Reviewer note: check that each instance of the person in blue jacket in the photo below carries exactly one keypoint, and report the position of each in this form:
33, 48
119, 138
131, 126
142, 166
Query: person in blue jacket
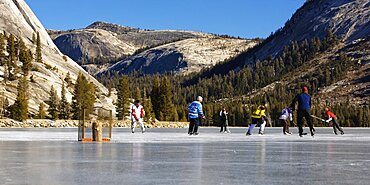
195, 113
304, 110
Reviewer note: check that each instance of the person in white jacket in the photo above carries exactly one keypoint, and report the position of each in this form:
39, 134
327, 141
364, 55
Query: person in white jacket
137, 116
286, 114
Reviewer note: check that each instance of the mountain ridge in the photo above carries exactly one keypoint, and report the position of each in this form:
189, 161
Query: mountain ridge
18, 19
117, 43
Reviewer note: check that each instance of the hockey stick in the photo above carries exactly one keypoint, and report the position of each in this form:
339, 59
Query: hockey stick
318, 118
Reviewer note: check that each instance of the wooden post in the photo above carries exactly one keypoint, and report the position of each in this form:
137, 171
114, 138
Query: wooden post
97, 131
110, 124
83, 123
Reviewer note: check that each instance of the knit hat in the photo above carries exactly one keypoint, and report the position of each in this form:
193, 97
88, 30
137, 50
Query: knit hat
305, 89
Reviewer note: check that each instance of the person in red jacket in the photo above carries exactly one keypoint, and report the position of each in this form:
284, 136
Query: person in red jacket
330, 116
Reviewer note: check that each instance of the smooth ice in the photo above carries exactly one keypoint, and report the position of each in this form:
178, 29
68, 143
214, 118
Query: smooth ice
170, 156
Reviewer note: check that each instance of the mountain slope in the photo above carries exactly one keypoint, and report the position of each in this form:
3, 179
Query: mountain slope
111, 41
185, 56
101, 45
18, 19
348, 20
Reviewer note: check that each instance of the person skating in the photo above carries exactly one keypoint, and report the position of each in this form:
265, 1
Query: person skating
137, 116
195, 113
285, 118
330, 116
258, 117
304, 110
224, 120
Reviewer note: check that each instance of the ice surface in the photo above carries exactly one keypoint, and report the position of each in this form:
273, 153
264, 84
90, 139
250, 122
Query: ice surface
170, 156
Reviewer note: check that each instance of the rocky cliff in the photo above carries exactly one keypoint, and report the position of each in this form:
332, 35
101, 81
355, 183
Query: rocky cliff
99, 46
182, 57
18, 19
348, 19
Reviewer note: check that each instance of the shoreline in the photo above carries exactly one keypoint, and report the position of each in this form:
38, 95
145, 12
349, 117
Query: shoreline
45, 123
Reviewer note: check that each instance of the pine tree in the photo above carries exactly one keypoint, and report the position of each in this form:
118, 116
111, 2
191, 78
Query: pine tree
2, 50
154, 95
166, 101
137, 94
6, 107
12, 58
25, 56
68, 80
109, 87
20, 108
149, 114
123, 93
84, 97
38, 49
34, 38
53, 104
65, 110
327, 76
42, 113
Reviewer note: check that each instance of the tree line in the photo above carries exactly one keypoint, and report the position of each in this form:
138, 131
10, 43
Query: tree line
16, 59
227, 90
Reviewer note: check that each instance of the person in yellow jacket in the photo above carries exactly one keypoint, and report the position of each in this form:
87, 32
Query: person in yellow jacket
258, 116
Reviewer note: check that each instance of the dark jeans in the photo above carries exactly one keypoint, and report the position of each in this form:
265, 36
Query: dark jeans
255, 121
223, 125
285, 124
307, 115
194, 124
336, 126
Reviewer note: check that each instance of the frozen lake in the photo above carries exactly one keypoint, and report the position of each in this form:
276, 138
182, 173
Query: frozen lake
170, 156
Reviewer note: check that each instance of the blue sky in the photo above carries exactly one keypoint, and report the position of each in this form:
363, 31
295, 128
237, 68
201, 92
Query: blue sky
244, 18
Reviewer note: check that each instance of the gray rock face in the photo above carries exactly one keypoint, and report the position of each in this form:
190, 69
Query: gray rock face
178, 51
182, 57
348, 19
110, 41
18, 19
151, 62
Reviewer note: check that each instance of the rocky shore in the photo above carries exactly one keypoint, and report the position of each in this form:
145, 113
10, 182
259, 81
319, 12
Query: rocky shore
45, 123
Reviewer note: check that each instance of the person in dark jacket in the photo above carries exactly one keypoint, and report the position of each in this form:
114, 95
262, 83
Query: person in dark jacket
224, 120
304, 110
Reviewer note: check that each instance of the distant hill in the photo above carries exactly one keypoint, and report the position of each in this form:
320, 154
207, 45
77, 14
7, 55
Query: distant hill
101, 45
